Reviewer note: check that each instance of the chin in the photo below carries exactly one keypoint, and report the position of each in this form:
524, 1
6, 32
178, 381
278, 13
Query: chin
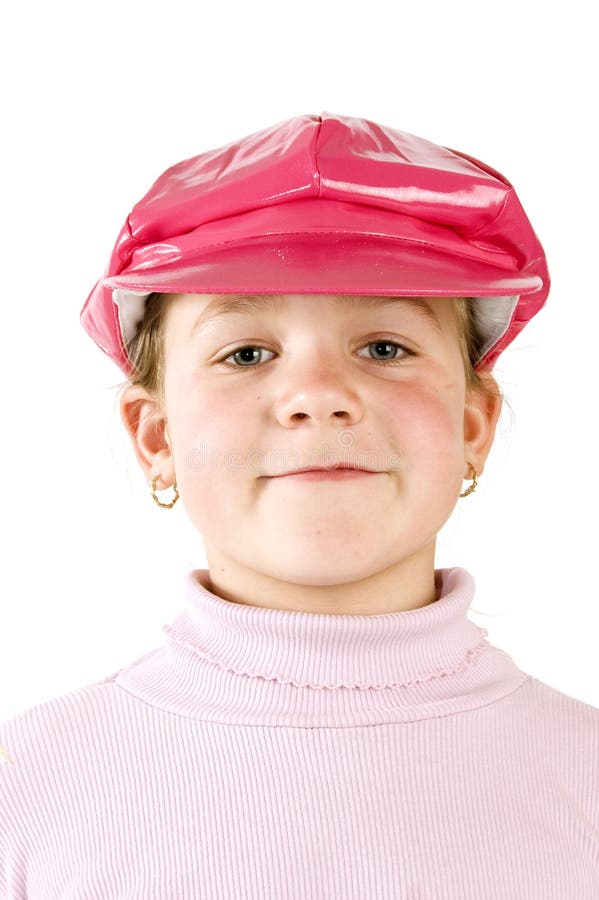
320, 570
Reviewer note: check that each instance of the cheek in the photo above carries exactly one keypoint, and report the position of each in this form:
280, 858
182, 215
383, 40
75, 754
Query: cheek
211, 437
426, 425
212, 441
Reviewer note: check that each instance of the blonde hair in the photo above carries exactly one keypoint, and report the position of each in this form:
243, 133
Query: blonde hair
147, 349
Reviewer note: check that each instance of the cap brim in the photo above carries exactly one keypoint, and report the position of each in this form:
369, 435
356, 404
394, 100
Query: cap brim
332, 263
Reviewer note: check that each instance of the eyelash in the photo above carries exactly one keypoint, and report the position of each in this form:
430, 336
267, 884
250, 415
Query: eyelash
380, 362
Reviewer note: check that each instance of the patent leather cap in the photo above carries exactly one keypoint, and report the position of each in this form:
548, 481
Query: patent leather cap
326, 204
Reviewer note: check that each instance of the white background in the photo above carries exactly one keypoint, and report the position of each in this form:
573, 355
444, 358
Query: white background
97, 101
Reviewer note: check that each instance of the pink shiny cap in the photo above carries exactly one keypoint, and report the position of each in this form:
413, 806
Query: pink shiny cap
326, 204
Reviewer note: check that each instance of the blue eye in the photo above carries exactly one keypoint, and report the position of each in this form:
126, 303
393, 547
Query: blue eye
244, 354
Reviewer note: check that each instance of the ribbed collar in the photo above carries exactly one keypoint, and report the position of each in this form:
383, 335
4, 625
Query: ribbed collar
230, 662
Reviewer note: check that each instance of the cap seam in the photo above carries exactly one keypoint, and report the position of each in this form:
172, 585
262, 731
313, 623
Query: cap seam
130, 230
495, 217
318, 130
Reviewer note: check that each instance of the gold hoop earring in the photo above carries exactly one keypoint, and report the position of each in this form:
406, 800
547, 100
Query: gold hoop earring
473, 485
165, 505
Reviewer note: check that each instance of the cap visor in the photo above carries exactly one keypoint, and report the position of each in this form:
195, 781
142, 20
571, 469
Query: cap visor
331, 263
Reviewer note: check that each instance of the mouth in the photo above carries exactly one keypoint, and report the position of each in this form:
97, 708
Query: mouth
320, 473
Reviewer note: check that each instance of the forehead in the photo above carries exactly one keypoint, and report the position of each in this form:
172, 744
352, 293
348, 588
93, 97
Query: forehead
196, 311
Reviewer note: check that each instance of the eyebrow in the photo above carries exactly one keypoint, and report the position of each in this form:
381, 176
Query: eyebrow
230, 304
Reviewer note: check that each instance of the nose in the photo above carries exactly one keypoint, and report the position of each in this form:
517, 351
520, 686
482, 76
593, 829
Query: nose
321, 393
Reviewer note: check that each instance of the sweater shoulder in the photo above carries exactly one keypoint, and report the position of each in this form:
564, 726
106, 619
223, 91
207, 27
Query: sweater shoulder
563, 720
63, 720
52, 743
565, 732
564, 709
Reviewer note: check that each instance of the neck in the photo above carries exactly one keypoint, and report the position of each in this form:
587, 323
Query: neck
407, 584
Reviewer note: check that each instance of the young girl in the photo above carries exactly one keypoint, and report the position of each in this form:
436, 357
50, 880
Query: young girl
308, 319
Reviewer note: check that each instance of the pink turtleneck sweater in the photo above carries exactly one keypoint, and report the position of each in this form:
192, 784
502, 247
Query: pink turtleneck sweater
261, 754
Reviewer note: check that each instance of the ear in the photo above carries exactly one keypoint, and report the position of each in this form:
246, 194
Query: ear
481, 414
145, 422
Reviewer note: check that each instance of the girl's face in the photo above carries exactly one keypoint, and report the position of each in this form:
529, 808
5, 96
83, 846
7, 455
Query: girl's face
310, 380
